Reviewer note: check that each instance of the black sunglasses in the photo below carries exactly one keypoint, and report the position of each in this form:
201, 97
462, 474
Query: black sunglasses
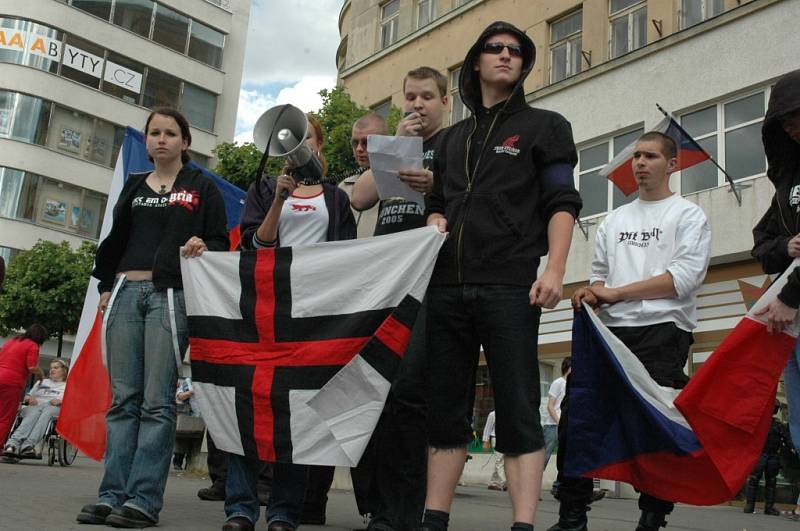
496, 48
355, 142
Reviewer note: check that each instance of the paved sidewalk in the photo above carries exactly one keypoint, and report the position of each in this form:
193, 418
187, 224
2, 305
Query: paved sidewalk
35, 496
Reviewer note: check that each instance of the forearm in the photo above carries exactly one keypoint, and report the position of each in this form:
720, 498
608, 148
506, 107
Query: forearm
365, 193
559, 238
268, 230
657, 287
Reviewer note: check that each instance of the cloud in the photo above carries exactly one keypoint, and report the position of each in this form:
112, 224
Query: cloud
254, 101
290, 39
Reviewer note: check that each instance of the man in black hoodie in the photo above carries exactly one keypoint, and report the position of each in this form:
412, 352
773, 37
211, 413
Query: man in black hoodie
504, 189
777, 235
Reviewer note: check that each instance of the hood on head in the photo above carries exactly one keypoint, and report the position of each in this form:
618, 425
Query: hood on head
469, 84
781, 150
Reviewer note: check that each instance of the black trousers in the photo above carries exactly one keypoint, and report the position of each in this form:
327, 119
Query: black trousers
217, 462
663, 349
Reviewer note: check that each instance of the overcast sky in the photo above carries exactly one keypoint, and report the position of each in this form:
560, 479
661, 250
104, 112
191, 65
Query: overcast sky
291, 55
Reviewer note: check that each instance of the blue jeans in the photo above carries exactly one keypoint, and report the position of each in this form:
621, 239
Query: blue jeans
550, 441
791, 380
141, 421
288, 491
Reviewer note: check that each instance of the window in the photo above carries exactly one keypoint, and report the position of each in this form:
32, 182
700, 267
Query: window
201, 160
458, 111
565, 46
206, 44
161, 89
199, 106
123, 78
628, 26
82, 61
730, 131
390, 20
23, 117
135, 15
426, 12
50, 203
382, 109
98, 8
696, 11
8, 253
596, 190
30, 44
170, 28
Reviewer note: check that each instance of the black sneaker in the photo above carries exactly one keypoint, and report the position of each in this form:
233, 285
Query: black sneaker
130, 518
94, 514
211, 493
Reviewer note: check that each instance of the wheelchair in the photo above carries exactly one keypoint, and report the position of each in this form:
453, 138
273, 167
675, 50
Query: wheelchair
55, 447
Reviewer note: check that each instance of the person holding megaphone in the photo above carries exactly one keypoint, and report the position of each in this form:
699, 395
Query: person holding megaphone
290, 210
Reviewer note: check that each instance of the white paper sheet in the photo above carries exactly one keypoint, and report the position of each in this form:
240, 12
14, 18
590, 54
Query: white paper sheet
387, 156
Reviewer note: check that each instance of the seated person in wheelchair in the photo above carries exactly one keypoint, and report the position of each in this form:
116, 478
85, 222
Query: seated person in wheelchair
42, 403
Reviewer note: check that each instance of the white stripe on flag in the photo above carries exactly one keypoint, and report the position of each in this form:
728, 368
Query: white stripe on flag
770, 295
627, 153
321, 265
218, 405
223, 299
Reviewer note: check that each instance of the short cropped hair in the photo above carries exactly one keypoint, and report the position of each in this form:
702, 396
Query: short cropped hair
566, 365
668, 147
426, 72
372, 118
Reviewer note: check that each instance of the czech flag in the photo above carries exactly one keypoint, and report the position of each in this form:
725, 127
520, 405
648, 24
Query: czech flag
88, 393
620, 169
695, 445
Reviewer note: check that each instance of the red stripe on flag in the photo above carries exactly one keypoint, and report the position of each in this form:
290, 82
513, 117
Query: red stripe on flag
264, 422
235, 236
689, 157
623, 177
395, 335
82, 420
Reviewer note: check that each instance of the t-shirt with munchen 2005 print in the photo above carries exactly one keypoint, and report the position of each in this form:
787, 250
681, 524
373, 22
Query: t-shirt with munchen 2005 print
398, 214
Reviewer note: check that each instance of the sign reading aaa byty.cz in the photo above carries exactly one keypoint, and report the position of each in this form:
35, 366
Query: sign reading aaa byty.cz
73, 57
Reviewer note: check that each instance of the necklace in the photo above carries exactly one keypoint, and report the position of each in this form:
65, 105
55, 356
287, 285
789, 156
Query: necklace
163, 189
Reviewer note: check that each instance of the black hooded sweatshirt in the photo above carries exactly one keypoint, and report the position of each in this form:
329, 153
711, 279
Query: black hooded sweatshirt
500, 175
782, 221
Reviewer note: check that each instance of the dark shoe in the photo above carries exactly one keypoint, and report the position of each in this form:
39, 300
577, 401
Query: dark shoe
771, 511
94, 514
129, 518
496, 487
28, 453
598, 495
238, 523
571, 518
280, 526
379, 526
651, 521
211, 493
10, 451
312, 519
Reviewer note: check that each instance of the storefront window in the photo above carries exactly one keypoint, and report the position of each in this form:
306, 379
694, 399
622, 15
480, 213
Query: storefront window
50, 203
171, 28
206, 44
161, 90
135, 15
199, 106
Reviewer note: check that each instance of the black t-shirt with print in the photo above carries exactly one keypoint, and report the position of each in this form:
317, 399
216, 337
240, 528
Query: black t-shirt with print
399, 214
148, 218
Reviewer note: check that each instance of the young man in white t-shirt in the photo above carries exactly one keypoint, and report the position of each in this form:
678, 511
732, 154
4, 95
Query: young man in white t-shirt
552, 415
649, 262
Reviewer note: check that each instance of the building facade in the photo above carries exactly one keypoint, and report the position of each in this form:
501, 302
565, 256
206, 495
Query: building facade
604, 65
75, 73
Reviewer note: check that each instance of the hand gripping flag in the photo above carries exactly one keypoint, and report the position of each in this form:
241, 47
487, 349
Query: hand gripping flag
293, 349
620, 169
88, 393
695, 445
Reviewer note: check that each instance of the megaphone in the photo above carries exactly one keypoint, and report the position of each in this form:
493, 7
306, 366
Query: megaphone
281, 132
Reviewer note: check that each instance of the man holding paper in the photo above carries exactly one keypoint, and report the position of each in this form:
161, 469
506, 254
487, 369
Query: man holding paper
398, 444
424, 105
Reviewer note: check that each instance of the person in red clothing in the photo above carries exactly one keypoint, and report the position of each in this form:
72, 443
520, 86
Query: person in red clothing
19, 357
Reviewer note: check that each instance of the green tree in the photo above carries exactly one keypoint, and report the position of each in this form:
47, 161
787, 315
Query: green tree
46, 285
337, 115
238, 164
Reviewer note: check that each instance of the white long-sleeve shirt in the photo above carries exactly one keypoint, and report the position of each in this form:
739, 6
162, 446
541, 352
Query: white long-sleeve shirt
488, 430
644, 239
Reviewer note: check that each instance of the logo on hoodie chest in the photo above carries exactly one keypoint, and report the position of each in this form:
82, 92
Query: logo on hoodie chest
509, 146
794, 198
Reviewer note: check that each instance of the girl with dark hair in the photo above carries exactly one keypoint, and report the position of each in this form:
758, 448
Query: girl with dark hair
19, 357
310, 213
161, 215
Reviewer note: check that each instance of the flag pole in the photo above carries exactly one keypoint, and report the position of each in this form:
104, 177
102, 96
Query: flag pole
728, 178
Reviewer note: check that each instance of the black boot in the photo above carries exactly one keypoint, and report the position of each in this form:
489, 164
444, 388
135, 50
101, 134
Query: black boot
750, 495
651, 521
769, 498
571, 518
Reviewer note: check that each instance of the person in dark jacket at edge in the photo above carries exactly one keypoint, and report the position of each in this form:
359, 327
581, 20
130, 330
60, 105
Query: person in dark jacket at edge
504, 190
777, 236
769, 463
